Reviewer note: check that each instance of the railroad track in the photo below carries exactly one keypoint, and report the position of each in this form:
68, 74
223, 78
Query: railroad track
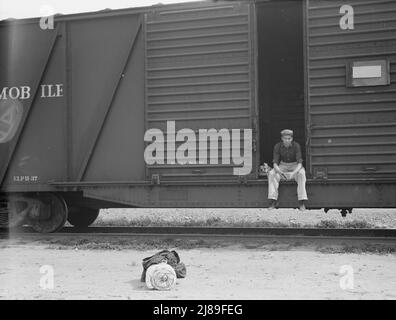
387, 236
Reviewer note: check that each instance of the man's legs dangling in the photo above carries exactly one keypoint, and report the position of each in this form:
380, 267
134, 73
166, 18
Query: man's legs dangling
301, 190
273, 186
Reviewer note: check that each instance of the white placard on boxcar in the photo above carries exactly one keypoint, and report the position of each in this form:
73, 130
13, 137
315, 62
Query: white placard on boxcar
366, 72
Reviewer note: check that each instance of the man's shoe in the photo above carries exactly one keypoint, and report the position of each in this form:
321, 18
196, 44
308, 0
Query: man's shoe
301, 206
272, 204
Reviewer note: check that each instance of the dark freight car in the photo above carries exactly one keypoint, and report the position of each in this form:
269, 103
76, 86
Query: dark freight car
178, 105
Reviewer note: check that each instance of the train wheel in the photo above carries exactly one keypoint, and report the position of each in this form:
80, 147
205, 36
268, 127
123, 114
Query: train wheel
49, 214
13, 211
82, 217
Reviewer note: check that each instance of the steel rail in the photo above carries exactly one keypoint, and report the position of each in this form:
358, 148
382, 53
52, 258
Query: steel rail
212, 231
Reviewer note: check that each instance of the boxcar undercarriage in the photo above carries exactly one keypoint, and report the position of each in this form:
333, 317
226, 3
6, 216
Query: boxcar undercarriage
48, 211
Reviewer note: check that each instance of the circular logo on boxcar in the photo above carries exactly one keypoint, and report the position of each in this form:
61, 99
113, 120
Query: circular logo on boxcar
10, 117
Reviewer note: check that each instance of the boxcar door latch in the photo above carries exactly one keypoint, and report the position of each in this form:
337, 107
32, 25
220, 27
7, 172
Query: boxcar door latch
155, 179
320, 173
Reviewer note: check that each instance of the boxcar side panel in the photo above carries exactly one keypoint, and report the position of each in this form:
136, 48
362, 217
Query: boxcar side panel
107, 90
34, 58
352, 128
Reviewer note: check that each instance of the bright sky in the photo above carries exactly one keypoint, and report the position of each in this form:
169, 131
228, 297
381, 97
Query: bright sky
37, 8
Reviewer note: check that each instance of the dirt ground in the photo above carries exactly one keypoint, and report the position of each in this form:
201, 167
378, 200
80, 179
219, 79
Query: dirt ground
212, 273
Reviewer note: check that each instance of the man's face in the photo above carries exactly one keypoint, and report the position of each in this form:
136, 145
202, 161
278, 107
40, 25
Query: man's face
287, 140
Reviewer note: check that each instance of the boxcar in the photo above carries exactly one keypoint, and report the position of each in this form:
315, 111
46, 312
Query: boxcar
106, 109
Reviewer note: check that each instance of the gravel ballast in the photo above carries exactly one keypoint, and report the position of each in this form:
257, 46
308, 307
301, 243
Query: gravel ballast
359, 218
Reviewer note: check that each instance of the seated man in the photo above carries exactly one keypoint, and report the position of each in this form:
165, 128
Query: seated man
287, 166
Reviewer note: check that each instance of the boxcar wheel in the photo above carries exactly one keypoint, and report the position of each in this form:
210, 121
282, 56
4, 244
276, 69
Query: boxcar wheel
13, 211
50, 215
82, 217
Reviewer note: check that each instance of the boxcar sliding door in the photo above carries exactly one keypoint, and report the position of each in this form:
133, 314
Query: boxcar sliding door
200, 72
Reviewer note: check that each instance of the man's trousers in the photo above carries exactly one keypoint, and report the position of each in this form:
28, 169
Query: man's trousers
274, 178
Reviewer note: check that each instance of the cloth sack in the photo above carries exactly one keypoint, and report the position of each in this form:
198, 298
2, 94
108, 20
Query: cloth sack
160, 276
170, 257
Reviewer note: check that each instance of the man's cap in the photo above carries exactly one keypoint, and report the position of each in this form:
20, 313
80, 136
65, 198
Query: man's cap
287, 132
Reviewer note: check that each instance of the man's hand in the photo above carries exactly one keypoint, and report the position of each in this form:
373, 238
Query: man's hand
279, 171
283, 174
